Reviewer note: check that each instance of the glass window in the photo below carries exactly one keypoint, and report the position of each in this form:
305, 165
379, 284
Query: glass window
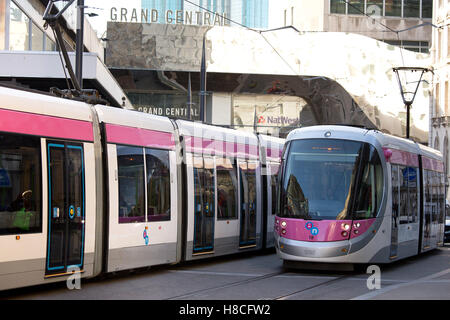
356, 7
413, 196
226, 189
158, 184
374, 7
324, 179
37, 38
130, 162
49, 44
204, 209
19, 29
395, 191
2, 24
370, 186
411, 8
20, 184
393, 8
404, 203
337, 6
435, 195
274, 184
427, 9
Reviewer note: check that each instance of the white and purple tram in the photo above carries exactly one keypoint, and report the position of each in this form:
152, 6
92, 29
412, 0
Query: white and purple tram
96, 189
350, 195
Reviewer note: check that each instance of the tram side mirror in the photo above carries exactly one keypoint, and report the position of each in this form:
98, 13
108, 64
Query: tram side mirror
447, 204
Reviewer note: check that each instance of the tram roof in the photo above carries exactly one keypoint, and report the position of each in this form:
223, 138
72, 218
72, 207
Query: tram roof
386, 140
134, 118
44, 104
205, 131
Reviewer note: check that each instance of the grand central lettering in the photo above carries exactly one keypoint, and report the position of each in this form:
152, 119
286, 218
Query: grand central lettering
170, 16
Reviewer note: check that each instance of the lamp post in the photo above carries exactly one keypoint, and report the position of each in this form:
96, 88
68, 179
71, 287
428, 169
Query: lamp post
407, 94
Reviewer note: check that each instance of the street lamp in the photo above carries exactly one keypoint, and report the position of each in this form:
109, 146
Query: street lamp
407, 91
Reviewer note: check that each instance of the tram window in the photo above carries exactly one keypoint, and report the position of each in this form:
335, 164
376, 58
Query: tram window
370, 187
404, 203
131, 184
251, 180
20, 184
274, 184
412, 192
395, 191
442, 200
427, 193
226, 189
204, 186
435, 196
158, 184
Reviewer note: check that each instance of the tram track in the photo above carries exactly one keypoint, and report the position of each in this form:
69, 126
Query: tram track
285, 296
224, 286
201, 292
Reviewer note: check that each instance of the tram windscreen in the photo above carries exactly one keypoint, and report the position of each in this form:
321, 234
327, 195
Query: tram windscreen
328, 179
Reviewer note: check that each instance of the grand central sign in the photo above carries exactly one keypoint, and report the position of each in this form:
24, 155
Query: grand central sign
169, 16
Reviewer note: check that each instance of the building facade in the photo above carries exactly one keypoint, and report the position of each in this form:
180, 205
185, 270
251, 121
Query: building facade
440, 112
267, 82
352, 16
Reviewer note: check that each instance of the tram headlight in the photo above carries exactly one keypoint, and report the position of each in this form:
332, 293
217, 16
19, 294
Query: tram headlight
283, 231
344, 233
284, 224
345, 226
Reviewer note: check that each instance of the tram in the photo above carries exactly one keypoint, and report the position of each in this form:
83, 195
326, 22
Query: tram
92, 189
356, 196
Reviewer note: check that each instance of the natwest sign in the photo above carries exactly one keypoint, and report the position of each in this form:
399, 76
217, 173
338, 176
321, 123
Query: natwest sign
278, 120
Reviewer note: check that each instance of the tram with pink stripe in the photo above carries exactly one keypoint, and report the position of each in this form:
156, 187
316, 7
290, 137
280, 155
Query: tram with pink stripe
92, 189
350, 195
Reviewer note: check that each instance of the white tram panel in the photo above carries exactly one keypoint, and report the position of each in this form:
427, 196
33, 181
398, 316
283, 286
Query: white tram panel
143, 243
27, 253
232, 147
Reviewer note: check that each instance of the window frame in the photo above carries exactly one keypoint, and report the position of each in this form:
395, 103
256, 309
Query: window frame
147, 218
39, 182
364, 9
235, 184
159, 216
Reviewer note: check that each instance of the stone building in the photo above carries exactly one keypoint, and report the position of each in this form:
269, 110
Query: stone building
440, 51
352, 16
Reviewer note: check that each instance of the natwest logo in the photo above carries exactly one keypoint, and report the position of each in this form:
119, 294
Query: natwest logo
280, 120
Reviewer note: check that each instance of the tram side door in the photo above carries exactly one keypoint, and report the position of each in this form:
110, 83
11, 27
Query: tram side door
247, 178
204, 205
65, 248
